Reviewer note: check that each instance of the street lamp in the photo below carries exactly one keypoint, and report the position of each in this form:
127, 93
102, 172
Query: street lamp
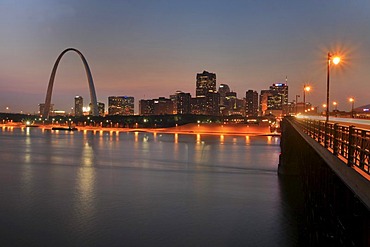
296, 103
352, 100
306, 88
335, 60
335, 105
324, 106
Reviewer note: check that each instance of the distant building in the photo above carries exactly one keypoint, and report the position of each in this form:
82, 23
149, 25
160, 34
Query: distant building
212, 104
279, 97
275, 100
209, 99
79, 103
206, 82
121, 105
173, 98
265, 94
197, 105
163, 106
251, 103
146, 107
160, 106
101, 109
223, 89
183, 105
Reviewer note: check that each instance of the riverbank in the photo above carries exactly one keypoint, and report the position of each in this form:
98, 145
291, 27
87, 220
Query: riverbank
193, 128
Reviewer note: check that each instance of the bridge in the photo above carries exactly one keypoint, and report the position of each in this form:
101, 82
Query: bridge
332, 162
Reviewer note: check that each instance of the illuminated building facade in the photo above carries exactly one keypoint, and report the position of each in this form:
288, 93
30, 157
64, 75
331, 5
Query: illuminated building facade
121, 105
79, 103
160, 106
183, 103
146, 107
206, 82
279, 97
251, 103
101, 109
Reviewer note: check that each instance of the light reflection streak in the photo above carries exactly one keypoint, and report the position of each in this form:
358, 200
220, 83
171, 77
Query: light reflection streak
136, 136
198, 138
85, 195
155, 136
176, 138
222, 139
269, 139
247, 139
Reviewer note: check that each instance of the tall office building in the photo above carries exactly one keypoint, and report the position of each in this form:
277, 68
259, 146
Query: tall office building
223, 89
264, 96
275, 100
209, 98
206, 82
251, 103
280, 95
79, 102
121, 105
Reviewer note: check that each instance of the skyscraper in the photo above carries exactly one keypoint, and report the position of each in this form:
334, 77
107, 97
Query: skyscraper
251, 103
79, 102
280, 95
223, 89
275, 100
209, 98
206, 82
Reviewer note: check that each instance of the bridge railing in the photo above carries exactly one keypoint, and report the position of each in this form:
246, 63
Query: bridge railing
349, 143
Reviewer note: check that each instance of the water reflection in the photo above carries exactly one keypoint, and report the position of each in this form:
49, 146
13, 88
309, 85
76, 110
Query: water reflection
206, 183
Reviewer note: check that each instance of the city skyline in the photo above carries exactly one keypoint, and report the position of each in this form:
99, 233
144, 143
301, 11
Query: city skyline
149, 50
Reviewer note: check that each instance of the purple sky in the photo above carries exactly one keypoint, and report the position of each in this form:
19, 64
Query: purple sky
148, 49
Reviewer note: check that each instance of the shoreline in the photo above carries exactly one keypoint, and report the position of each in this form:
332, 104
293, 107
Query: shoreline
192, 129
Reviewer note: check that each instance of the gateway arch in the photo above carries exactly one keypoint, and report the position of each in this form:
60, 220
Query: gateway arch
94, 103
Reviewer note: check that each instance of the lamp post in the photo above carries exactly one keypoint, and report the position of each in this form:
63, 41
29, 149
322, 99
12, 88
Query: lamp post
306, 88
296, 103
335, 60
335, 105
352, 100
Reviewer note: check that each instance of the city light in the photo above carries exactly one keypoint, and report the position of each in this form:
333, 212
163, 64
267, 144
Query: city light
336, 60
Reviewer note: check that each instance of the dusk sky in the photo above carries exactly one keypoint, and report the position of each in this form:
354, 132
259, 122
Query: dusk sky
152, 48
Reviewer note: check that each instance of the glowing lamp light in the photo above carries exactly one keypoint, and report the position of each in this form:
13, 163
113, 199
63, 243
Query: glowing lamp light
336, 60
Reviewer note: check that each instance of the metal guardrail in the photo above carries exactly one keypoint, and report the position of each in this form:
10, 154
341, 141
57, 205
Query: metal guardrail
348, 142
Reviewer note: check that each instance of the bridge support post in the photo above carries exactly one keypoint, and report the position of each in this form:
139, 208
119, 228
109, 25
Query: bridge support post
326, 135
362, 148
351, 149
335, 140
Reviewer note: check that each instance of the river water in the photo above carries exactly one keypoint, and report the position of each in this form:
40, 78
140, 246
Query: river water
88, 188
